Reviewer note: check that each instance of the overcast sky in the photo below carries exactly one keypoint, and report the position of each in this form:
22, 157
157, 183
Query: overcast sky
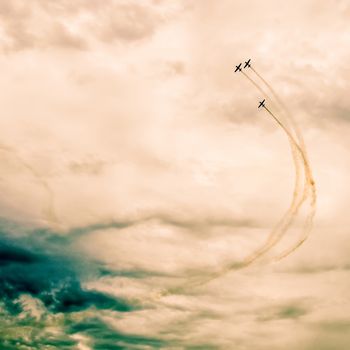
133, 161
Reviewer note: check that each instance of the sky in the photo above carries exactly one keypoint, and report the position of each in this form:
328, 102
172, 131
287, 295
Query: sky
138, 176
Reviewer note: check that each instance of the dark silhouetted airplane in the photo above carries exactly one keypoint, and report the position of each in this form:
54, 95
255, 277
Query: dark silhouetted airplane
261, 104
247, 64
238, 68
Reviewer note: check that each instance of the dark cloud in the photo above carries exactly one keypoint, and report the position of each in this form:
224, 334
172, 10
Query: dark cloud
291, 311
42, 265
100, 335
53, 278
19, 343
105, 338
15, 255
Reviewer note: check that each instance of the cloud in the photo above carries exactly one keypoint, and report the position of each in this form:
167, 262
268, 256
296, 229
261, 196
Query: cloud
104, 337
289, 311
127, 22
61, 25
330, 335
133, 162
87, 167
53, 279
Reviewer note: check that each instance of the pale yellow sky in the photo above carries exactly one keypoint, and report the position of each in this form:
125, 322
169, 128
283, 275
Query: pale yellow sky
129, 112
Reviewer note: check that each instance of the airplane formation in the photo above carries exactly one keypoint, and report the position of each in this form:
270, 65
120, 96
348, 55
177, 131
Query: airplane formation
301, 163
247, 65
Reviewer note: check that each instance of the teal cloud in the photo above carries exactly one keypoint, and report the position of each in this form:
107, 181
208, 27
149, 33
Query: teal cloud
55, 279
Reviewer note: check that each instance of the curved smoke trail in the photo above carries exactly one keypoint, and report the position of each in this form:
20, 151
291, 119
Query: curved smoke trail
299, 157
310, 183
276, 234
282, 226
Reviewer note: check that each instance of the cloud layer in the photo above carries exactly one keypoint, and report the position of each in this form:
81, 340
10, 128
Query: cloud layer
135, 165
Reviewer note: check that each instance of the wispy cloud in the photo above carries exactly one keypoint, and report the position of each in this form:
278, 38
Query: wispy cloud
62, 25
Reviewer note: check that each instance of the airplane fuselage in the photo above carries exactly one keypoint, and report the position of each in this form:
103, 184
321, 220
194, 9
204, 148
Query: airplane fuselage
238, 68
262, 103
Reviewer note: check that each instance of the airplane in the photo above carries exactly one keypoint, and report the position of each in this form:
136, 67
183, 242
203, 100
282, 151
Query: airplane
261, 104
238, 68
247, 64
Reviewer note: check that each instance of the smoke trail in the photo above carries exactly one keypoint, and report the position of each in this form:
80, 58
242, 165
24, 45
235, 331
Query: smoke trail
285, 109
308, 226
289, 135
49, 212
280, 229
290, 118
299, 155
308, 173
309, 220
273, 238
278, 232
